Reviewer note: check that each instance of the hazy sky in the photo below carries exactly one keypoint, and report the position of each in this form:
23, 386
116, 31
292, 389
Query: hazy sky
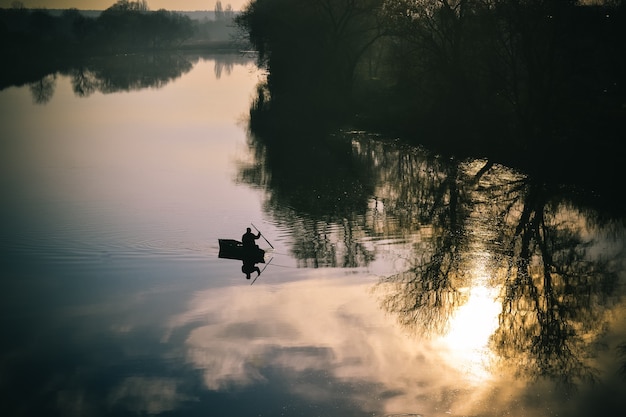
103, 4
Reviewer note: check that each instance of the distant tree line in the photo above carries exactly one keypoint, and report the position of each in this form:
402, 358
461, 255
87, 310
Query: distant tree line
126, 26
541, 78
222, 29
223, 13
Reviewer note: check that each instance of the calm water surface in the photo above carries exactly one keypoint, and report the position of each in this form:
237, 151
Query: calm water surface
398, 282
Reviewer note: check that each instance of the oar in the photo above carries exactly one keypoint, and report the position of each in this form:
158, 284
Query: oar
262, 270
262, 236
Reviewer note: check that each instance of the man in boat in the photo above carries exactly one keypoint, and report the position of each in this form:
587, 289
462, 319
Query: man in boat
248, 239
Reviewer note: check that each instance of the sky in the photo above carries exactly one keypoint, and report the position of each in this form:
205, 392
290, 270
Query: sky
104, 4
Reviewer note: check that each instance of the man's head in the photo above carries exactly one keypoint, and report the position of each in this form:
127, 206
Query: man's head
248, 230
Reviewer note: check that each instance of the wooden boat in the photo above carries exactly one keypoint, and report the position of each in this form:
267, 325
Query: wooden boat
234, 249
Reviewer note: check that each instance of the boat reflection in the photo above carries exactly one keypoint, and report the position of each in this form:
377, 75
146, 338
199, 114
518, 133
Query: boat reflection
250, 256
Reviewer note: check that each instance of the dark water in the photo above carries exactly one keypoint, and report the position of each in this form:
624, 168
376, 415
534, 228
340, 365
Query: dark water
394, 282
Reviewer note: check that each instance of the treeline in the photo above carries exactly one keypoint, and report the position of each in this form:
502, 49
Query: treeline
541, 80
126, 26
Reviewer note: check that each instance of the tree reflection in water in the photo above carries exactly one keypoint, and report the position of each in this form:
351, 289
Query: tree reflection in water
319, 191
539, 250
557, 288
43, 89
481, 236
128, 72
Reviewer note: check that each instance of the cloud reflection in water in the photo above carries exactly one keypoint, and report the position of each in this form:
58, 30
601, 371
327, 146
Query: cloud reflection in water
333, 327
147, 395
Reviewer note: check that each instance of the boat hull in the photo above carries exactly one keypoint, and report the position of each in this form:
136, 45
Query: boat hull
234, 249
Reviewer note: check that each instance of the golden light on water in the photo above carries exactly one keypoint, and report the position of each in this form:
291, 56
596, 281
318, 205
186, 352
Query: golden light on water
474, 322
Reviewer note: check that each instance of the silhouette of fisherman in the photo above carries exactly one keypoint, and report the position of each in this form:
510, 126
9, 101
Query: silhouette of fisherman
248, 239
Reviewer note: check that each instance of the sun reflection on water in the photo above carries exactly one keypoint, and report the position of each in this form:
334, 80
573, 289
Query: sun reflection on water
468, 336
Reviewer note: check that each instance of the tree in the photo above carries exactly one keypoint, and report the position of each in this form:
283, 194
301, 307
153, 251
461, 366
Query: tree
312, 45
219, 11
130, 6
223, 13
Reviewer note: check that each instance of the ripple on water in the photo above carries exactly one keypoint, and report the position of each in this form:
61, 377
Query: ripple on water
89, 245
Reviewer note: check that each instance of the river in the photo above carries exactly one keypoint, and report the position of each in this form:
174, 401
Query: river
394, 281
